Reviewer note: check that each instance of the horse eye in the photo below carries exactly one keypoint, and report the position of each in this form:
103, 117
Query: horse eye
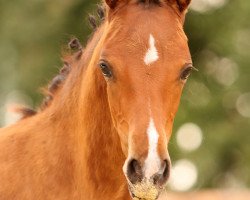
186, 72
106, 71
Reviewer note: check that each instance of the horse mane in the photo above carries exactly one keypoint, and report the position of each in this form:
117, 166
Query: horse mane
73, 54
76, 50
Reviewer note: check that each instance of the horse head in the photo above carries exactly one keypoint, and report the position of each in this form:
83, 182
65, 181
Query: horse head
145, 60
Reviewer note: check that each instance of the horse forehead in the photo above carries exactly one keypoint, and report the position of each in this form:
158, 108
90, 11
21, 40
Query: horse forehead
149, 35
146, 47
137, 26
132, 26
166, 40
130, 37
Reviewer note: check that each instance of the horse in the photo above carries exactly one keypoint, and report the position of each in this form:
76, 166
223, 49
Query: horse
103, 129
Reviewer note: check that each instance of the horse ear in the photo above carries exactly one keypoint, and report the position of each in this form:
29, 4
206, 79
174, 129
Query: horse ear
181, 5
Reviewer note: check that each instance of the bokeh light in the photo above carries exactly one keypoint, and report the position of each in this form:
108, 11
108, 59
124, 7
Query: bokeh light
189, 137
206, 5
15, 98
227, 72
183, 176
243, 105
224, 70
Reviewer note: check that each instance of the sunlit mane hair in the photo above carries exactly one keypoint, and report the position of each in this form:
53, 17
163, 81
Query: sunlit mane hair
74, 53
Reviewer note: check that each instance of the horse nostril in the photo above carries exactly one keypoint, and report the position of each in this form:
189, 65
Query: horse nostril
162, 177
166, 172
134, 171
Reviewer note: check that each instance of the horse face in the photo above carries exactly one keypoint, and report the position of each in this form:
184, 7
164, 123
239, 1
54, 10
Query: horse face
145, 60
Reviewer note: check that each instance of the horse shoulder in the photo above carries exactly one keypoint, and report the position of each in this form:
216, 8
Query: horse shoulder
30, 163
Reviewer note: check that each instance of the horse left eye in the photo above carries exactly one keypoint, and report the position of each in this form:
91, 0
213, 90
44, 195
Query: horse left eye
105, 69
186, 72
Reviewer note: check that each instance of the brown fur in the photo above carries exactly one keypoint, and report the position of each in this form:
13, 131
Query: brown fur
76, 147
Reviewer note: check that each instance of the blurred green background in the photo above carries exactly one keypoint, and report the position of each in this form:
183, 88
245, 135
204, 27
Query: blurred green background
210, 147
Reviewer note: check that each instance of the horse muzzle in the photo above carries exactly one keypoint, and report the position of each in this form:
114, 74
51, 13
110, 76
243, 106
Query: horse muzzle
144, 190
140, 185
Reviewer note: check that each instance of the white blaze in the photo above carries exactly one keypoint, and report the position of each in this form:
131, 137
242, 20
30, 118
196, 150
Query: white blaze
152, 53
153, 162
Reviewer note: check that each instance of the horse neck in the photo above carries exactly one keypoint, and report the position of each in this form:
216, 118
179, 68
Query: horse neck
83, 110
103, 157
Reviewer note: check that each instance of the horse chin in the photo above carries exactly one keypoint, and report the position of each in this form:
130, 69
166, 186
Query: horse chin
144, 190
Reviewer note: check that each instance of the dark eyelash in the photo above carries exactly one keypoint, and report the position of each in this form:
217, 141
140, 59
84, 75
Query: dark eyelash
187, 71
